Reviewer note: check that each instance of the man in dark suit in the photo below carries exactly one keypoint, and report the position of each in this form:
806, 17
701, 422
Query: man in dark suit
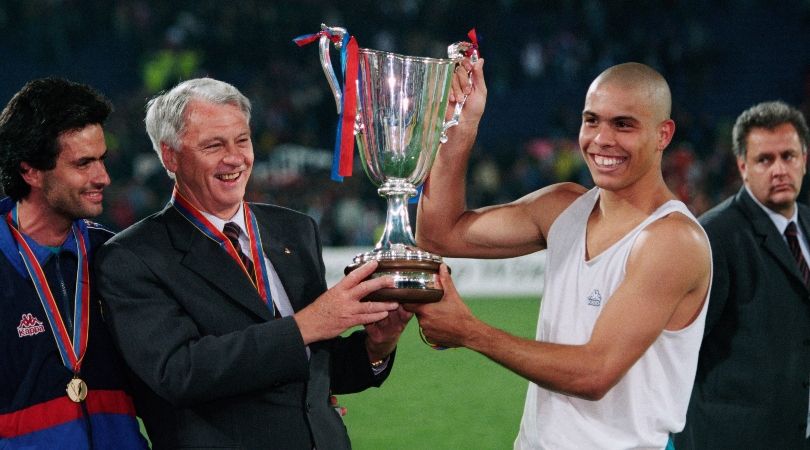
220, 307
751, 388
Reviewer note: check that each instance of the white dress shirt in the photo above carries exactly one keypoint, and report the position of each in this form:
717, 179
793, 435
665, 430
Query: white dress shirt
280, 299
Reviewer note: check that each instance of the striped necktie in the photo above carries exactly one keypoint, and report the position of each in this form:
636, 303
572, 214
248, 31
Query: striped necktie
792, 236
232, 231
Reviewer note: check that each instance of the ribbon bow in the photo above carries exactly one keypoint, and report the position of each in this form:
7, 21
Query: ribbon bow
474, 41
342, 160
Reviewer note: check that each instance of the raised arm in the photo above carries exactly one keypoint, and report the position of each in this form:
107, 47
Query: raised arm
667, 280
445, 226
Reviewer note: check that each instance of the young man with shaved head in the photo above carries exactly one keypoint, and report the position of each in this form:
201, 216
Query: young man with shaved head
628, 273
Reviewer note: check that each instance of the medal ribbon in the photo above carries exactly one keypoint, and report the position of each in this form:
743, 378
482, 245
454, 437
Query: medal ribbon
260, 270
343, 155
71, 350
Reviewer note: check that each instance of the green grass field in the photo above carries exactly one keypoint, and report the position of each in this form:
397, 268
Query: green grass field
451, 399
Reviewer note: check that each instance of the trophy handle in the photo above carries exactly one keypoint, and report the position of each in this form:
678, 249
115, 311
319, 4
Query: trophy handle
326, 61
456, 51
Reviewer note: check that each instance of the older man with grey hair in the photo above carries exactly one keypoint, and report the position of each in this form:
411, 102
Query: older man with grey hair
220, 306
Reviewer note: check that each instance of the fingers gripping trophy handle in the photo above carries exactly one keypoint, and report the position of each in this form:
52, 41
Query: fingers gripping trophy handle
457, 51
326, 61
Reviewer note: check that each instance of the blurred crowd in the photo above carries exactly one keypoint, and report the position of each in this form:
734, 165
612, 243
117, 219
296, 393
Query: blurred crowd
719, 57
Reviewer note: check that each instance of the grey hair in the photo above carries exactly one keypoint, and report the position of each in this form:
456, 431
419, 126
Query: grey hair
768, 115
165, 113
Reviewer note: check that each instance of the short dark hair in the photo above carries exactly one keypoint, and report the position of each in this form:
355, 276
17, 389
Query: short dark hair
33, 120
768, 115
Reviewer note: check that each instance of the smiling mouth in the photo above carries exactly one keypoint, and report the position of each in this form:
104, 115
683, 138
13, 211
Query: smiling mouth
228, 176
608, 161
96, 196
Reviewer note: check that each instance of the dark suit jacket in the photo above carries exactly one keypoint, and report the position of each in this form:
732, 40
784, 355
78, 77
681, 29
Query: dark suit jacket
751, 388
213, 368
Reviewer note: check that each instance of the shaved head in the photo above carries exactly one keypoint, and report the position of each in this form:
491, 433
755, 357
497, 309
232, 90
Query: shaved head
642, 79
626, 126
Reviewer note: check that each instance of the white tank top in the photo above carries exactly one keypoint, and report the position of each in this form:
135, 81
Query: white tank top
650, 401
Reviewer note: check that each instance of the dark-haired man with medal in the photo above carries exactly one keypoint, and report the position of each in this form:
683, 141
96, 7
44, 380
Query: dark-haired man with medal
220, 306
61, 379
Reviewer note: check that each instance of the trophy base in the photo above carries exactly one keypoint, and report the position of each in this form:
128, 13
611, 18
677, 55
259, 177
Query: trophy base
416, 281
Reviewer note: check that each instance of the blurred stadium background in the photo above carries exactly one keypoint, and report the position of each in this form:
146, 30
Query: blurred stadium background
720, 56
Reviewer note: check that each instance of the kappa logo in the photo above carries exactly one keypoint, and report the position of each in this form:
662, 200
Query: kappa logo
595, 299
29, 326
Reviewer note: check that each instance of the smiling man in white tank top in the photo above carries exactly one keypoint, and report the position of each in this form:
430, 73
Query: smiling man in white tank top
628, 272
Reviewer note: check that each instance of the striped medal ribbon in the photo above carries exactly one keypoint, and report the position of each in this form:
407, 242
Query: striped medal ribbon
71, 349
195, 217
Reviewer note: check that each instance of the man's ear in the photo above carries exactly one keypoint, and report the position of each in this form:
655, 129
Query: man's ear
31, 175
169, 157
665, 133
743, 168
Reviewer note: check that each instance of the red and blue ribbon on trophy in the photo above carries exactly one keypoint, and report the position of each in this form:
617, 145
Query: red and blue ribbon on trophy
342, 160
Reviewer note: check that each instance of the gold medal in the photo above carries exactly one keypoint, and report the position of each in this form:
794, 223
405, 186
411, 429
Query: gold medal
76, 390
71, 351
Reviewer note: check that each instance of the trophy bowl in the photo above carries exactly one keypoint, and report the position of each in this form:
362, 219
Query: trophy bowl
399, 125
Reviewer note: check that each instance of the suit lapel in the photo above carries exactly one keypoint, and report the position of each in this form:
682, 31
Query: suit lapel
772, 240
206, 258
280, 249
804, 222
804, 219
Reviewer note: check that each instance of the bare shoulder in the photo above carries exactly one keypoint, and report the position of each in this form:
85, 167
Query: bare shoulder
676, 241
548, 203
680, 227
671, 261
554, 197
563, 192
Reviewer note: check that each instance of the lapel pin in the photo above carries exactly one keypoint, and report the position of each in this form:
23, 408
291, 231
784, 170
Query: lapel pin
287, 251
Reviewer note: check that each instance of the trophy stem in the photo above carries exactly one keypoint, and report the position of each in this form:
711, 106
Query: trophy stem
415, 272
397, 231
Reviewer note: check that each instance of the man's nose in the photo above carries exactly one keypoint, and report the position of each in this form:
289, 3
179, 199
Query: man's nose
779, 167
235, 155
100, 176
605, 136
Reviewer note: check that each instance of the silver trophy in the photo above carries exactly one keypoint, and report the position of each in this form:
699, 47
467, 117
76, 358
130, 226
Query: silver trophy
399, 124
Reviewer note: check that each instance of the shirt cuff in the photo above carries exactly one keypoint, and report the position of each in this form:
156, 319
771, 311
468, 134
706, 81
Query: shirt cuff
379, 367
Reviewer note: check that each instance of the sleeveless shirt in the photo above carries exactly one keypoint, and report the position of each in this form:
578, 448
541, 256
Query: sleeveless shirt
650, 401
